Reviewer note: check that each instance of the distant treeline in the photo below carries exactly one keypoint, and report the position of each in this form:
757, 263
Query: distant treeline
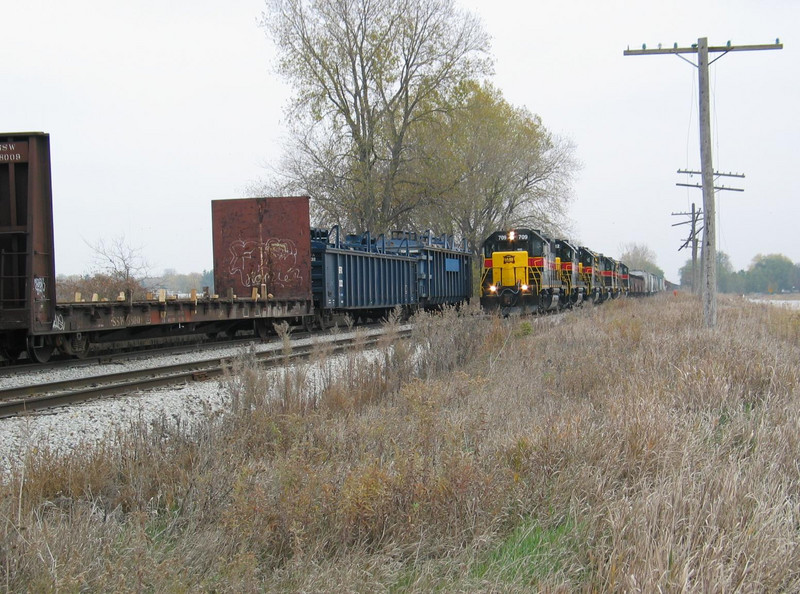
109, 286
773, 273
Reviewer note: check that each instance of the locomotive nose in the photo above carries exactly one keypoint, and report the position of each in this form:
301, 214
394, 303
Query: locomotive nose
508, 298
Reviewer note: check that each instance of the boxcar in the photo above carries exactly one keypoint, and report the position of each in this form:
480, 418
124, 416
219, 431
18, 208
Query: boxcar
27, 257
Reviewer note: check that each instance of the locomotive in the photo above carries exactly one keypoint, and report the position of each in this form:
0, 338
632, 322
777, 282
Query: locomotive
526, 272
520, 273
269, 266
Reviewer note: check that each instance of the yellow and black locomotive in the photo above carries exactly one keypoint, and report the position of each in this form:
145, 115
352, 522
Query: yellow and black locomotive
524, 271
520, 273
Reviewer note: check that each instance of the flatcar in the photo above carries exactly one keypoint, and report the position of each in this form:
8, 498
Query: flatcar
269, 266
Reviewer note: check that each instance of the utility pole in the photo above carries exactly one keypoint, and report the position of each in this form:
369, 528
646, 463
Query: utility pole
709, 249
716, 176
695, 268
695, 218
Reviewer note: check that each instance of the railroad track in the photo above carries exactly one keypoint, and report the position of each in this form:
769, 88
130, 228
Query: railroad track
111, 356
19, 400
116, 352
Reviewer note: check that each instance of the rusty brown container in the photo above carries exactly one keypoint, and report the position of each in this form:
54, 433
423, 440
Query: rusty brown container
263, 246
27, 259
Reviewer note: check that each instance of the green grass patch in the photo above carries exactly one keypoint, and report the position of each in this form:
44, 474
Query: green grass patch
523, 329
530, 554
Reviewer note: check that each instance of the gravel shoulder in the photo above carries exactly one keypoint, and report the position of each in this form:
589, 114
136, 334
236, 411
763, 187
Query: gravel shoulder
88, 424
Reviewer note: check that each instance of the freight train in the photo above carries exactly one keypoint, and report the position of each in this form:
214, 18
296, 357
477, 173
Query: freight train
269, 266
526, 272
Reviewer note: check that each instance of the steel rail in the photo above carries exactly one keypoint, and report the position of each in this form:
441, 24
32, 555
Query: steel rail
23, 399
111, 356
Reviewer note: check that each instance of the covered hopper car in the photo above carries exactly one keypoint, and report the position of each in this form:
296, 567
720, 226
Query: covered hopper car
644, 283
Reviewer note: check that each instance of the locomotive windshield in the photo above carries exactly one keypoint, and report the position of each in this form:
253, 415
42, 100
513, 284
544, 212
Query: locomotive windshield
564, 250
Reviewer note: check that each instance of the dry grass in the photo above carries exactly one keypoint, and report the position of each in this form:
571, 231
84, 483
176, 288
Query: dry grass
618, 448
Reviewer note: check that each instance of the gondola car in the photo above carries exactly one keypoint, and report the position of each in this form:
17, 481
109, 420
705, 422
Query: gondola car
366, 278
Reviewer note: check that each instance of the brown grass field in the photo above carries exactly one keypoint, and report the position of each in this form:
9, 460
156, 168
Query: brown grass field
617, 448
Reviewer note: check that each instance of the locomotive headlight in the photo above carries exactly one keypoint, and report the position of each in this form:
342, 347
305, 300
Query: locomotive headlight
511, 235
524, 288
492, 289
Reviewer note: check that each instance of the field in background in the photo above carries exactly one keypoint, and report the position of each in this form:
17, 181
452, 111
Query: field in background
622, 447
786, 300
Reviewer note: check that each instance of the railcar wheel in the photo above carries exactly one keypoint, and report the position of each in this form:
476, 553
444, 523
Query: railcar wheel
39, 353
11, 354
262, 329
308, 323
324, 322
76, 345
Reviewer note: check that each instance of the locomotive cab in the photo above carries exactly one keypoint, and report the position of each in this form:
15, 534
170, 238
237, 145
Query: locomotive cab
567, 269
589, 273
519, 274
610, 275
624, 278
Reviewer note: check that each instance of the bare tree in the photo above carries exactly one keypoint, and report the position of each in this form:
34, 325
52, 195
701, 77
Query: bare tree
120, 265
639, 256
489, 165
365, 73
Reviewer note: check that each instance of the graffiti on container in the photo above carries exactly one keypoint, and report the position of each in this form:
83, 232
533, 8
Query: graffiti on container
58, 322
272, 263
40, 288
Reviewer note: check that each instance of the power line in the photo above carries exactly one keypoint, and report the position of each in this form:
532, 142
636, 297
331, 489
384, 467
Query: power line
709, 249
695, 217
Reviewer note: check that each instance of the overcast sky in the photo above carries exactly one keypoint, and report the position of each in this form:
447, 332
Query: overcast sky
156, 108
